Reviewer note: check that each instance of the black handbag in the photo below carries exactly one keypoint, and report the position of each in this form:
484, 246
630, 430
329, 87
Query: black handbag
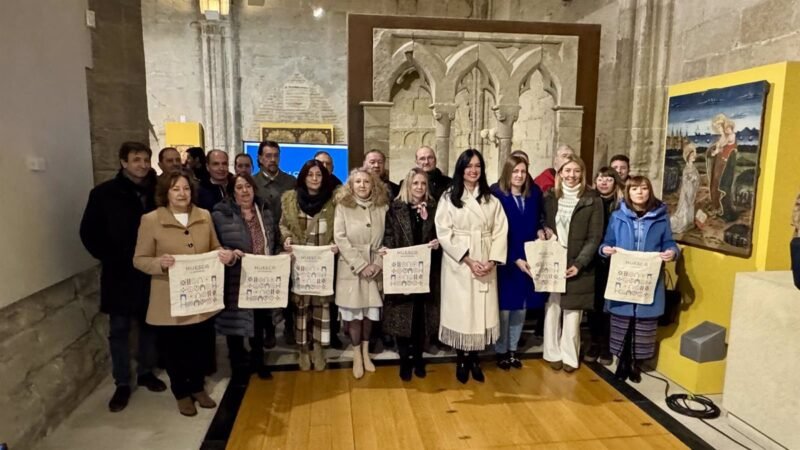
672, 301
794, 251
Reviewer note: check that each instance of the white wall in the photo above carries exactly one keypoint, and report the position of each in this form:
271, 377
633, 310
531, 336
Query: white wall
44, 50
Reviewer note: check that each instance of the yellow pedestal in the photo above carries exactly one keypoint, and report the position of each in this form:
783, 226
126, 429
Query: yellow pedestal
712, 274
184, 134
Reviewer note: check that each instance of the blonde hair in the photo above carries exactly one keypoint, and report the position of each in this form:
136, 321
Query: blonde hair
405, 192
571, 159
346, 196
505, 176
722, 121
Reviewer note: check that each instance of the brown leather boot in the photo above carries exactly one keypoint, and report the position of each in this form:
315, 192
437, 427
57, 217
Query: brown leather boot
203, 400
186, 407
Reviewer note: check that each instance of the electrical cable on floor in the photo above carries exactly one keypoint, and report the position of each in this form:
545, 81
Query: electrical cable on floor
704, 409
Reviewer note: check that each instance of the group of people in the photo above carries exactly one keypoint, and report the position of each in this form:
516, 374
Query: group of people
480, 286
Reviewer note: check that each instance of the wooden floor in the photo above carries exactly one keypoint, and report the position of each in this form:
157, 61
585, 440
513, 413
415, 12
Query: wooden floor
531, 408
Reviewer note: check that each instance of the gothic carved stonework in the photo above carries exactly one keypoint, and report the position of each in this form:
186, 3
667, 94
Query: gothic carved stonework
486, 73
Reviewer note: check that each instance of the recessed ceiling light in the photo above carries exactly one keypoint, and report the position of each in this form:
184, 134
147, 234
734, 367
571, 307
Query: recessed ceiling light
318, 12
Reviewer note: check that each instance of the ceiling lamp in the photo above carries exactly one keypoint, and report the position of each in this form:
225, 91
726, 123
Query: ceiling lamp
215, 9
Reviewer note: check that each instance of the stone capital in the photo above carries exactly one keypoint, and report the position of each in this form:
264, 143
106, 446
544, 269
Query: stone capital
507, 113
444, 111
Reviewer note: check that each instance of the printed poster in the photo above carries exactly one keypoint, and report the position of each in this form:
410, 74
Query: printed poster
196, 284
265, 281
548, 261
633, 276
312, 270
407, 270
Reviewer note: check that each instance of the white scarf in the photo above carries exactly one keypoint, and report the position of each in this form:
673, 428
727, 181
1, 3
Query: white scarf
566, 206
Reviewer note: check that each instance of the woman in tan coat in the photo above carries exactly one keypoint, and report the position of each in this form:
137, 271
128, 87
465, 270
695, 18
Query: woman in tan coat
307, 219
361, 206
472, 230
178, 227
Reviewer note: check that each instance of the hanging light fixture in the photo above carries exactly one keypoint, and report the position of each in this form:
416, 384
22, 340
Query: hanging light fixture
215, 9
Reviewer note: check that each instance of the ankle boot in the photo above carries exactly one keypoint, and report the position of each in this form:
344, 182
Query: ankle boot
358, 362
419, 363
475, 367
318, 358
204, 400
405, 362
462, 371
368, 366
186, 407
304, 360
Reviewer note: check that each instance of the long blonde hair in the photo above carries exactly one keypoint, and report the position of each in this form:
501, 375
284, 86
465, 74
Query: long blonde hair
405, 192
559, 191
347, 197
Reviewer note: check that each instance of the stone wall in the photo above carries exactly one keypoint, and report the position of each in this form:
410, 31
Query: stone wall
116, 83
52, 355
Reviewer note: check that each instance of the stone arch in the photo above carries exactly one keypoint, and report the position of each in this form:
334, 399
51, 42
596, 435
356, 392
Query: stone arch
486, 58
528, 61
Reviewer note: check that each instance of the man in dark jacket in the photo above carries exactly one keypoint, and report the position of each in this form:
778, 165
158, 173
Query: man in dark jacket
215, 189
109, 230
375, 162
272, 183
438, 182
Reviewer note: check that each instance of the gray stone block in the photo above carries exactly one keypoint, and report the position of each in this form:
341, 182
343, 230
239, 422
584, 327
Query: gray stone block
704, 343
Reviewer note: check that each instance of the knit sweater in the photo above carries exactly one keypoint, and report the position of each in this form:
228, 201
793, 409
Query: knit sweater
566, 206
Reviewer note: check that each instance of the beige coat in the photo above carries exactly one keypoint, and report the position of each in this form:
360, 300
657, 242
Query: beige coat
159, 234
358, 232
469, 306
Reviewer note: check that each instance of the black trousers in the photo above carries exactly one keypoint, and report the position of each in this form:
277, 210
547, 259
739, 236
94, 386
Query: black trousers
186, 356
236, 350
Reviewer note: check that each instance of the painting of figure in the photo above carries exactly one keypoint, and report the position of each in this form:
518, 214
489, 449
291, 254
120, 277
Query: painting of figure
711, 164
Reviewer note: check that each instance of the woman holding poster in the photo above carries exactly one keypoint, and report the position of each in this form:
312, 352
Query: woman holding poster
522, 203
307, 219
178, 227
640, 224
472, 229
574, 213
361, 205
244, 224
413, 318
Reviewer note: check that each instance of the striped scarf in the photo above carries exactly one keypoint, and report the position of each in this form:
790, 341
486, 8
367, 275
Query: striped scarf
566, 206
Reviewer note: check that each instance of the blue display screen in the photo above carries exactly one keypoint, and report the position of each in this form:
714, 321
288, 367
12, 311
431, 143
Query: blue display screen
293, 156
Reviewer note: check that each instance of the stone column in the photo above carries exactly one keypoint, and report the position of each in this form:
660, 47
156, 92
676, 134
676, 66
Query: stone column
506, 115
569, 121
377, 116
444, 114
219, 75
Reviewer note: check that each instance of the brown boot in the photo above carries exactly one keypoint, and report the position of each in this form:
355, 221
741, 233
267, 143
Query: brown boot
204, 400
186, 407
304, 360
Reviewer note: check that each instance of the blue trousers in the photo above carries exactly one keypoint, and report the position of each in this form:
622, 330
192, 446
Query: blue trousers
119, 334
511, 322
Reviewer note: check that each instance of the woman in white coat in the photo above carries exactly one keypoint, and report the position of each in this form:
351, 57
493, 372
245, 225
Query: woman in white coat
361, 205
472, 228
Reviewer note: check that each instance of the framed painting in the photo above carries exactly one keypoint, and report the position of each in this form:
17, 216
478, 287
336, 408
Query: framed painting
299, 133
711, 166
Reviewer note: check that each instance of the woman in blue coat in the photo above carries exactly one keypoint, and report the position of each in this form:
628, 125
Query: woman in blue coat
522, 203
640, 224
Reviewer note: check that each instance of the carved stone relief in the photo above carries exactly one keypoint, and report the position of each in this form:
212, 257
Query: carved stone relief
476, 81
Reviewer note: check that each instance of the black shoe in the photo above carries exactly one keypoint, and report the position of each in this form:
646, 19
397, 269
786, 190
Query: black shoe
503, 361
605, 358
151, 382
419, 367
120, 399
270, 341
514, 361
405, 369
592, 354
336, 343
462, 372
636, 374
263, 372
477, 373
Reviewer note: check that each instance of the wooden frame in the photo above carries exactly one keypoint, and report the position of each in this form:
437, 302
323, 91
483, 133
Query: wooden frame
301, 133
359, 66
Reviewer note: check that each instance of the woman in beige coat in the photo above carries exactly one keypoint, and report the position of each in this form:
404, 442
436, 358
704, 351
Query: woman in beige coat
178, 227
361, 206
472, 230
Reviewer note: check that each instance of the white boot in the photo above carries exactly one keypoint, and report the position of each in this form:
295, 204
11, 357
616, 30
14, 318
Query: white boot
368, 366
358, 363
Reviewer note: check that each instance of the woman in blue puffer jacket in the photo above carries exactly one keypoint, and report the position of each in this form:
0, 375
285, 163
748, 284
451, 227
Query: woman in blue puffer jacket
640, 224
